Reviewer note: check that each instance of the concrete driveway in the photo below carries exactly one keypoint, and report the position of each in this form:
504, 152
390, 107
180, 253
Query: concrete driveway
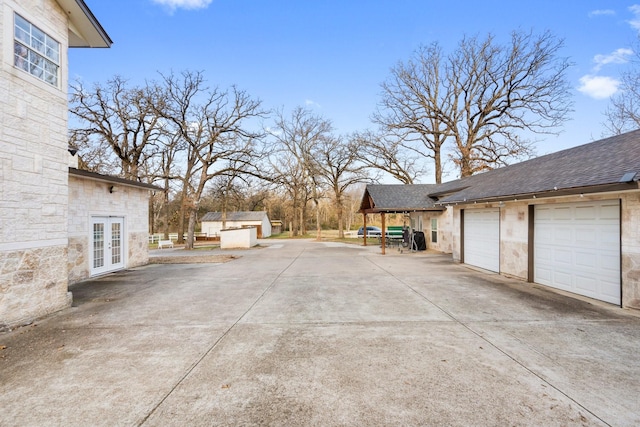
302, 333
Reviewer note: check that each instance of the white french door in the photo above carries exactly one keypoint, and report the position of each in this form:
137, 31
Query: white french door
107, 248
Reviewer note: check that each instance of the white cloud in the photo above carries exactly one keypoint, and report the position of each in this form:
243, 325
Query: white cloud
635, 22
601, 12
183, 4
310, 103
619, 56
598, 87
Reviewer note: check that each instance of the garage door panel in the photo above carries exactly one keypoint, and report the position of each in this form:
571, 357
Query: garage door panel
562, 279
577, 248
585, 212
610, 211
586, 260
585, 236
561, 236
586, 284
610, 262
562, 256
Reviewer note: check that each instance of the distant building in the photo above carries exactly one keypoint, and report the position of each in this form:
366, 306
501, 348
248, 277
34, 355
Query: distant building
212, 222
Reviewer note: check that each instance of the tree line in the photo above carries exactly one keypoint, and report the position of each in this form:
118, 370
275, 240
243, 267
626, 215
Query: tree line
479, 106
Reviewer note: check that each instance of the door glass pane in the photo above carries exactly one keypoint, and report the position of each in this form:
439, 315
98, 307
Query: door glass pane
116, 243
98, 245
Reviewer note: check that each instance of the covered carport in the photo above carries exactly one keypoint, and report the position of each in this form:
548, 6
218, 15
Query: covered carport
386, 199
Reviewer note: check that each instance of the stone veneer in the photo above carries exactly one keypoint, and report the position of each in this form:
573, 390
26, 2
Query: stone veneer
33, 283
33, 167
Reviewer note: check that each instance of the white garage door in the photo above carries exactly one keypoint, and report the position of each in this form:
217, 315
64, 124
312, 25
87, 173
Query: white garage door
482, 238
577, 248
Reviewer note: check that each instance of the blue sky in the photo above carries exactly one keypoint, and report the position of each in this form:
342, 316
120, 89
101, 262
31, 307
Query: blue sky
332, 55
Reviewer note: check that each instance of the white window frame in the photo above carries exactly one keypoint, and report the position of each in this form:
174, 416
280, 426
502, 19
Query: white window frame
35, 52
434, 230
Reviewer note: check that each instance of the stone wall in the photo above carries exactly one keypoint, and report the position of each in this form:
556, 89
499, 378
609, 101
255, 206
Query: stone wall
630, 244
445, 225
514, 238
33, 283
33, 167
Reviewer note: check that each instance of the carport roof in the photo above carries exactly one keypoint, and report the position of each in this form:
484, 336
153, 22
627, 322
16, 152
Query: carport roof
398, 198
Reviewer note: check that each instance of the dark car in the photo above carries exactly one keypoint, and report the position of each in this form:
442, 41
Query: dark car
371, 231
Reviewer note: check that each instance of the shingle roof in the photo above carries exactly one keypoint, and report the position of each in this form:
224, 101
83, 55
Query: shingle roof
398, 198
235, 216
599, 163
597, 166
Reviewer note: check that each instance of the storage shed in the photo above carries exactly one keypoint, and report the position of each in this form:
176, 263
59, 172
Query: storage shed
213, 222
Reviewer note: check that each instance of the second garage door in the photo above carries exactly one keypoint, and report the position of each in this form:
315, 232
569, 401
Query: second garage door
577, 248
482, 238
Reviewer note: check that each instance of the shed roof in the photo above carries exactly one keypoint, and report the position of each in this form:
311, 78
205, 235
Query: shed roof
236, 216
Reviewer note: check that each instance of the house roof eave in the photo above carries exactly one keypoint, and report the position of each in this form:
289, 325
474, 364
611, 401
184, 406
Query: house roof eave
84, 28
112, 179
575, 191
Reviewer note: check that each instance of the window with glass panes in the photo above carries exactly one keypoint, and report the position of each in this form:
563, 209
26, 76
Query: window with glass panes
35, 52
434, 230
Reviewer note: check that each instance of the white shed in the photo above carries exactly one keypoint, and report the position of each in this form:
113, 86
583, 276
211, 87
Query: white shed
212, 222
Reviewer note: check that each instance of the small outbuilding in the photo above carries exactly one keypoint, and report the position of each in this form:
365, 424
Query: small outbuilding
214, 222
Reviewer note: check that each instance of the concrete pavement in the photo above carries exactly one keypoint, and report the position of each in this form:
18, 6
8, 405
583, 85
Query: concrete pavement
321, 334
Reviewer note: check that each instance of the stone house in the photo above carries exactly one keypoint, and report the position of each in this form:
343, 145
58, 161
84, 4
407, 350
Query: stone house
111, 231
212, 222
48, 209
568, 220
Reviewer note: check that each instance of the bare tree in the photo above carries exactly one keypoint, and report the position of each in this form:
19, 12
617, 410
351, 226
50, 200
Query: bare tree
502, 92
338, 165
385, 153
213, 123
293, 165
120, 117
485, 98
623, 113
415, 99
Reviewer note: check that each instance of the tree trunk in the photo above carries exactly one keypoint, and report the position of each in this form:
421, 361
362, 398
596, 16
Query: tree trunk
437, 158
340, 214
318, 227
167, 212
192, 228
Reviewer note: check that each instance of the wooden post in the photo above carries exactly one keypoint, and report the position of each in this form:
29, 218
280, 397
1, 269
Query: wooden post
364, 230
383, 236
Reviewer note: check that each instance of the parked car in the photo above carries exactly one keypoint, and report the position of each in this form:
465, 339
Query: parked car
372, 231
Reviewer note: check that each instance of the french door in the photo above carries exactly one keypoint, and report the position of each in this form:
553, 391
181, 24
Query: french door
107, 249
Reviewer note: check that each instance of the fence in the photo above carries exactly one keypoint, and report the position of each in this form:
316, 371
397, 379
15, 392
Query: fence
155, 238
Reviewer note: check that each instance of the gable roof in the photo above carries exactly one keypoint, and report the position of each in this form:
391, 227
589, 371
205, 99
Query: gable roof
398, 198
235, 216
594, 167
